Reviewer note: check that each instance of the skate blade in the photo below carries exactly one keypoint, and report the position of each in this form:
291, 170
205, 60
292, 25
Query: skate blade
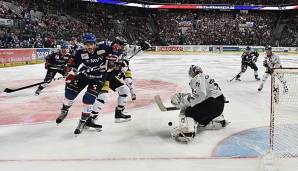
76, 135
90, 129
122, 120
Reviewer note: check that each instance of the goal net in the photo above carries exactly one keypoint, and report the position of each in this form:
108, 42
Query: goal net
284, 113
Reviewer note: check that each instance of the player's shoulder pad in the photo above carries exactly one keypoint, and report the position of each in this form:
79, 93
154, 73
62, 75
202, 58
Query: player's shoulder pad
80, 51
100, 51
54, 54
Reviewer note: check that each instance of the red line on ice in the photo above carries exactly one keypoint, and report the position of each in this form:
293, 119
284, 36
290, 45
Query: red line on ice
121, 159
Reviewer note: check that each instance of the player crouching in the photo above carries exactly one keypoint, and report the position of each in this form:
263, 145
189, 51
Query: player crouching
203, 107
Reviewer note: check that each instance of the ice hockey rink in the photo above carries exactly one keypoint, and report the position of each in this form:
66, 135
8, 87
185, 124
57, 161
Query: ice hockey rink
30, 139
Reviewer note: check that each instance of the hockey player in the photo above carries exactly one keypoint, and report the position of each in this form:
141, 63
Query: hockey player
203, 107
272, 61
123, 49
249, 58
55, 63
92, 73
118, 71
114, 82
117, 85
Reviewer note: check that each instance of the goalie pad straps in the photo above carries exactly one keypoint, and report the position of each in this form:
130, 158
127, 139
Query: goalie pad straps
216, 123
186, 130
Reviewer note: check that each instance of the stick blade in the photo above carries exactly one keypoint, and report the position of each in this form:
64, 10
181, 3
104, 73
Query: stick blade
8, 90
159, 103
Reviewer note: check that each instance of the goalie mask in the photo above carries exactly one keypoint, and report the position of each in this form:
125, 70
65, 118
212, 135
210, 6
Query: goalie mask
194, 70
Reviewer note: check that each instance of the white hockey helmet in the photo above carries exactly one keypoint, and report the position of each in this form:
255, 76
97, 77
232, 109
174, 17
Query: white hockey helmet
194, 70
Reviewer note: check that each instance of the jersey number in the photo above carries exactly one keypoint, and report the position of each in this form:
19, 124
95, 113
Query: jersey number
214, 83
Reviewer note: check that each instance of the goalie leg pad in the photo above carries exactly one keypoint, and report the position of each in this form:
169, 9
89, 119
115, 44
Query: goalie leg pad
217, 123
186, 130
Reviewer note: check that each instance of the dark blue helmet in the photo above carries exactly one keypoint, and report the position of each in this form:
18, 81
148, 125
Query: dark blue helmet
89, 38
248, 48
64, 46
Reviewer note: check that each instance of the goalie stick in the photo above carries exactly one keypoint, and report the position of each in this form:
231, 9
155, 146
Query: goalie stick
161, 106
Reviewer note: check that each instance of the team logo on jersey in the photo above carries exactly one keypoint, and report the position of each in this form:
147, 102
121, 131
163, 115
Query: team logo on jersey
100, 52
85, 56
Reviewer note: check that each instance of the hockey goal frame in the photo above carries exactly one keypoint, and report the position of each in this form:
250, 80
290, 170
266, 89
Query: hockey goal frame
272, 104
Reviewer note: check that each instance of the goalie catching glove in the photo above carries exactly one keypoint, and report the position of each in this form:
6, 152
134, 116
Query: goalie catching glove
181, 100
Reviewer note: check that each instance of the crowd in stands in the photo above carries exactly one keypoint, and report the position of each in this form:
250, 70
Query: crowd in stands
224, 28
233, 2
58, 24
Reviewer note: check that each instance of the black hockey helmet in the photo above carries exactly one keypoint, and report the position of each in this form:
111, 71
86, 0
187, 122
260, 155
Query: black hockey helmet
268, 48
248, 48
120, 40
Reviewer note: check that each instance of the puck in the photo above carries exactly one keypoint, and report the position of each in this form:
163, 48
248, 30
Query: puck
170, 123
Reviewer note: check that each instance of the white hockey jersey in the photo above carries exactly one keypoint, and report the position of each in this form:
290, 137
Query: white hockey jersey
273, 61
131, 49
203, 87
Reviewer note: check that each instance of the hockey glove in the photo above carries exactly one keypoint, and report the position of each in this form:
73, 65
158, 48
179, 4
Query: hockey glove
70, 76
47, 65
145, 45
181, 100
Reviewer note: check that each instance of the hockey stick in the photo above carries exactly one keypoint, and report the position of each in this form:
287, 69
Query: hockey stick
8, 90
135, 53
161, 106
235, 77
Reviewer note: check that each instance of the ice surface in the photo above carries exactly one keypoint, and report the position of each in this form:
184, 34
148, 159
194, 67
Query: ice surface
26, 143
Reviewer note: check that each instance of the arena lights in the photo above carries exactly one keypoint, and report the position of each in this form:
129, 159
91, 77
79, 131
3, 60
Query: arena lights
198, 6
